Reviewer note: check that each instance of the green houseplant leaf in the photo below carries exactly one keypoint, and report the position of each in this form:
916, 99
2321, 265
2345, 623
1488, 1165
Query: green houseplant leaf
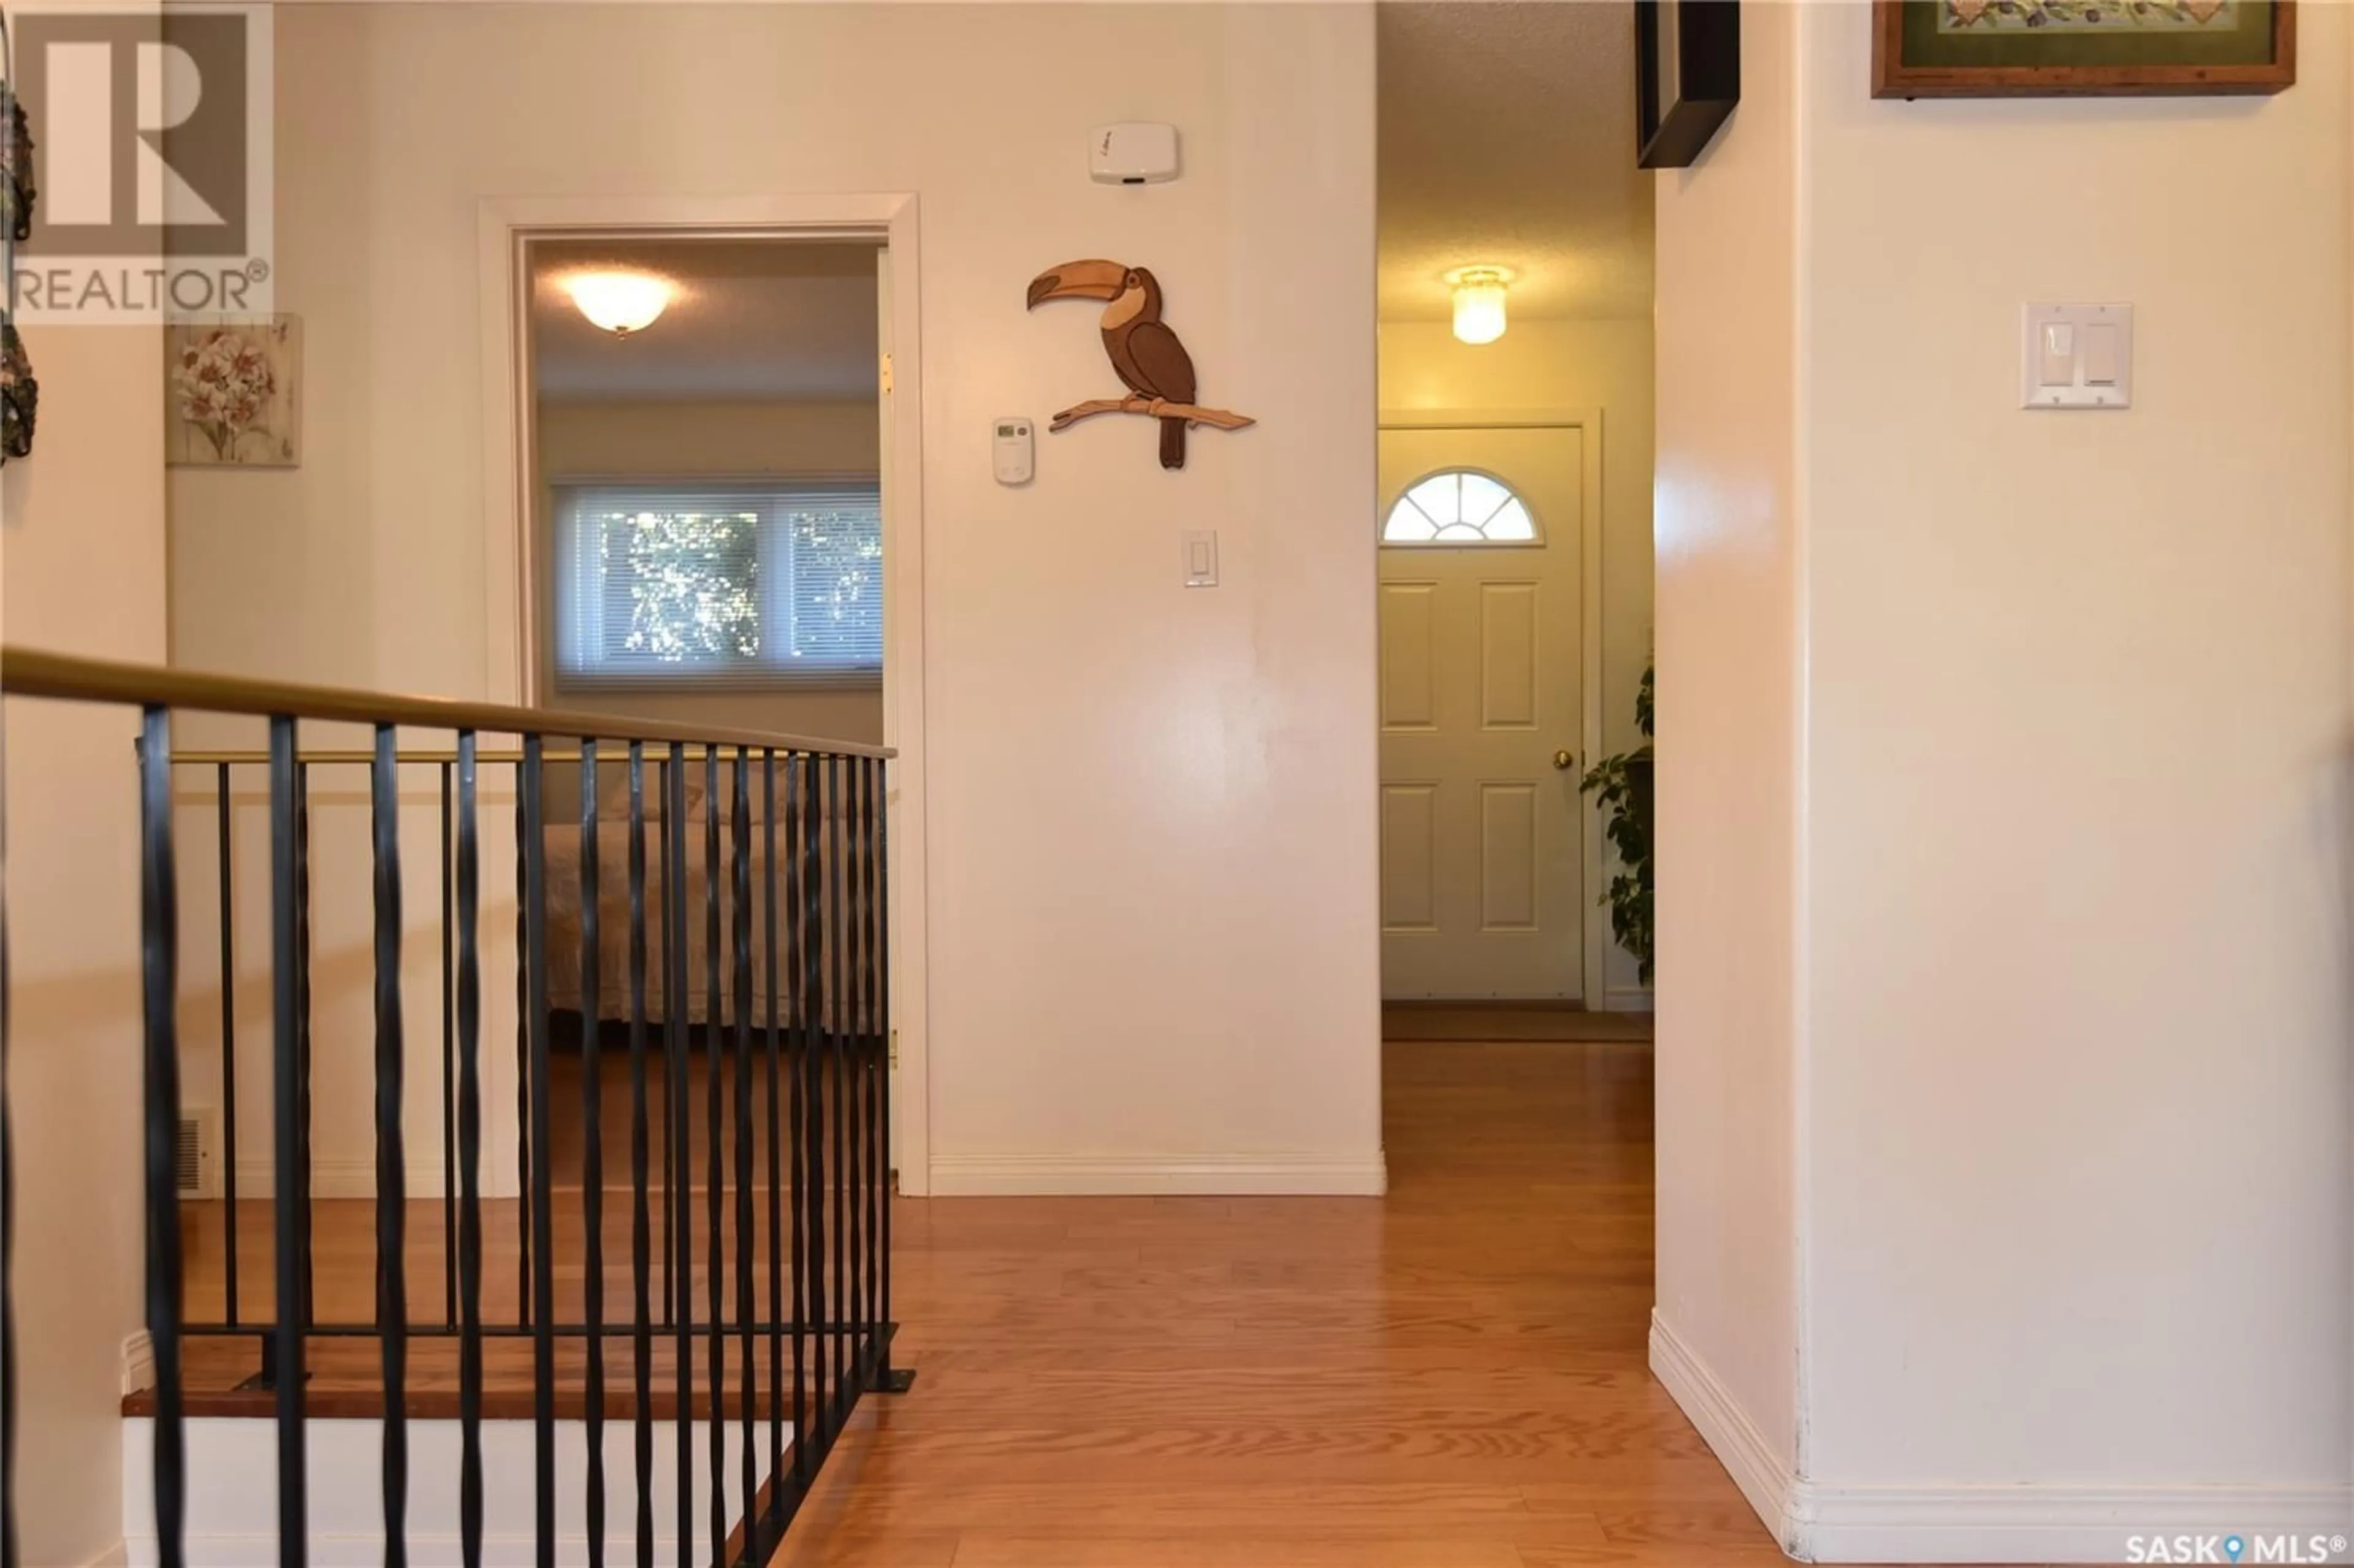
1621, 786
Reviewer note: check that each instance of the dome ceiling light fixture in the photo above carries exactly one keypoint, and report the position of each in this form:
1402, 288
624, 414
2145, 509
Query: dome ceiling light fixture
620, 302
1480, 301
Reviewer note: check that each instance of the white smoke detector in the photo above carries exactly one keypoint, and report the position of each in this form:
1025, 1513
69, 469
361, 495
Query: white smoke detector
1133, 153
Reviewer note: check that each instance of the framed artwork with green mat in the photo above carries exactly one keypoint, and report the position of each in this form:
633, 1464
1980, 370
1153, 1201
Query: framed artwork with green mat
2060, 49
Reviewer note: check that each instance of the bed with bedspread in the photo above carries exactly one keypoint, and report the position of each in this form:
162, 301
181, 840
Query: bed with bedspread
839, 831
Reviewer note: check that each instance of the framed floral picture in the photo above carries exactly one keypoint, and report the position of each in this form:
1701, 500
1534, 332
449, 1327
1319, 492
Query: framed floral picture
233, 393
2057, 49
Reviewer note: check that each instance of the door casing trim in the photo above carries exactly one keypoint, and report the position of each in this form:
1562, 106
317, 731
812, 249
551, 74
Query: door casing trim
506, 228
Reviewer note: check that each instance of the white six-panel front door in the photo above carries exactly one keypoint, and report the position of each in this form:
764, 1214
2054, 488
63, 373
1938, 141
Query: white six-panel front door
1481, 888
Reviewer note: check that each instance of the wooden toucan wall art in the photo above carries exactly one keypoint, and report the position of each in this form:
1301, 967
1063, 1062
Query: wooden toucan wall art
1145, 354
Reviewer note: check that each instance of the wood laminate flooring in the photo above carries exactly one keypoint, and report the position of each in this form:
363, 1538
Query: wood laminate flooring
1453, 1376
1450, 1377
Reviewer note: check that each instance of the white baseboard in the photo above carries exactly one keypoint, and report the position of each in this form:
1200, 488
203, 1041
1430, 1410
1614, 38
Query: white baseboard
1819, 1522
1627, 999
1764, 1478
356, 1178
138, 1362
1067, 1175
2060, 1524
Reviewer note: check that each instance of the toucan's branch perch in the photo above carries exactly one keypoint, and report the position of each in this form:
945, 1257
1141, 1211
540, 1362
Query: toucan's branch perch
1152, 407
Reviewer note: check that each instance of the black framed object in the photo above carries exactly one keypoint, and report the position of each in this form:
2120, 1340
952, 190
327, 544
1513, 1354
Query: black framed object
1687, 77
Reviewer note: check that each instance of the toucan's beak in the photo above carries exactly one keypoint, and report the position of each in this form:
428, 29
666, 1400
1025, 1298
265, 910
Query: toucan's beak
1078, 280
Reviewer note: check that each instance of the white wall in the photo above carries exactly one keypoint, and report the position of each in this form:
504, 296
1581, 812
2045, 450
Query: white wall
1728, 539
2085, 678
2071, 717
343, 957
1099, 737
604, 439
83, 523
232, 1497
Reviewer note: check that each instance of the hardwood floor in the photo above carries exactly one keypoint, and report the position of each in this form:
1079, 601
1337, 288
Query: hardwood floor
344, 1373
1452, 1377
1491, 1021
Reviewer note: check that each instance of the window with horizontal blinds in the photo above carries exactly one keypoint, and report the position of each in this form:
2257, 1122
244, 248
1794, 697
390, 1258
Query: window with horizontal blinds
708, 584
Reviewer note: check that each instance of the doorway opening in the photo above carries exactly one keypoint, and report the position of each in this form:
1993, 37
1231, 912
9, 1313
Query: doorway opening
1512, 529
710, 512
1514, 514
706, 425
775, 251
707, 487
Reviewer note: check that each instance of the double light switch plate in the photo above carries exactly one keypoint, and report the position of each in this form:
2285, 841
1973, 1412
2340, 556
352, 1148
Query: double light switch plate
2076, 356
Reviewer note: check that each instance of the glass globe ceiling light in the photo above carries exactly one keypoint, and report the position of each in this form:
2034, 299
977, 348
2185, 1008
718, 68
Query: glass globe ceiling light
1480, 302
620, 303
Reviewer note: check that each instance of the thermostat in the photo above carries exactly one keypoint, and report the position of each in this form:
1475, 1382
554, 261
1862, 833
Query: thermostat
1134, 153
1010, 448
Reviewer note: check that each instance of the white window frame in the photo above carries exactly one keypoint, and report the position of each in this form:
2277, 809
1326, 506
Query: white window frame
1536, 541
702, 678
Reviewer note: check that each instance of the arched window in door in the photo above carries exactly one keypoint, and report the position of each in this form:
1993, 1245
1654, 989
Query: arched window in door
1459, 506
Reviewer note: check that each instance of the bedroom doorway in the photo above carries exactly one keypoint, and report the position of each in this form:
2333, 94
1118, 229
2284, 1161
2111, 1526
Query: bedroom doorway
707, 434
708, 484
712, 515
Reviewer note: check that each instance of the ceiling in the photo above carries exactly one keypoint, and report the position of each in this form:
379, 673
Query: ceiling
1508, 138
766, 319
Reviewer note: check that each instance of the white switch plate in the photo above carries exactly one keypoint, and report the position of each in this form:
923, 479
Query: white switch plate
2063, 348
1201, 559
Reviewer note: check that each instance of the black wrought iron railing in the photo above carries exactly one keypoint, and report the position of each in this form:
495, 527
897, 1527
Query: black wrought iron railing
748, 971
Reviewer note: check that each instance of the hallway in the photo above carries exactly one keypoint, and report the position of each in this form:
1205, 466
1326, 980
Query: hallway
1452, 1377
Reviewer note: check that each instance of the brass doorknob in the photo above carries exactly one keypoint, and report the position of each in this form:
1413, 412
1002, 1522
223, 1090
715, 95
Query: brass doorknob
1564, 760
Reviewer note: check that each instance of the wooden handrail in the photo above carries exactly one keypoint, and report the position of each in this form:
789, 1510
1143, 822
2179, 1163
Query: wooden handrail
31, 672
335, 756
